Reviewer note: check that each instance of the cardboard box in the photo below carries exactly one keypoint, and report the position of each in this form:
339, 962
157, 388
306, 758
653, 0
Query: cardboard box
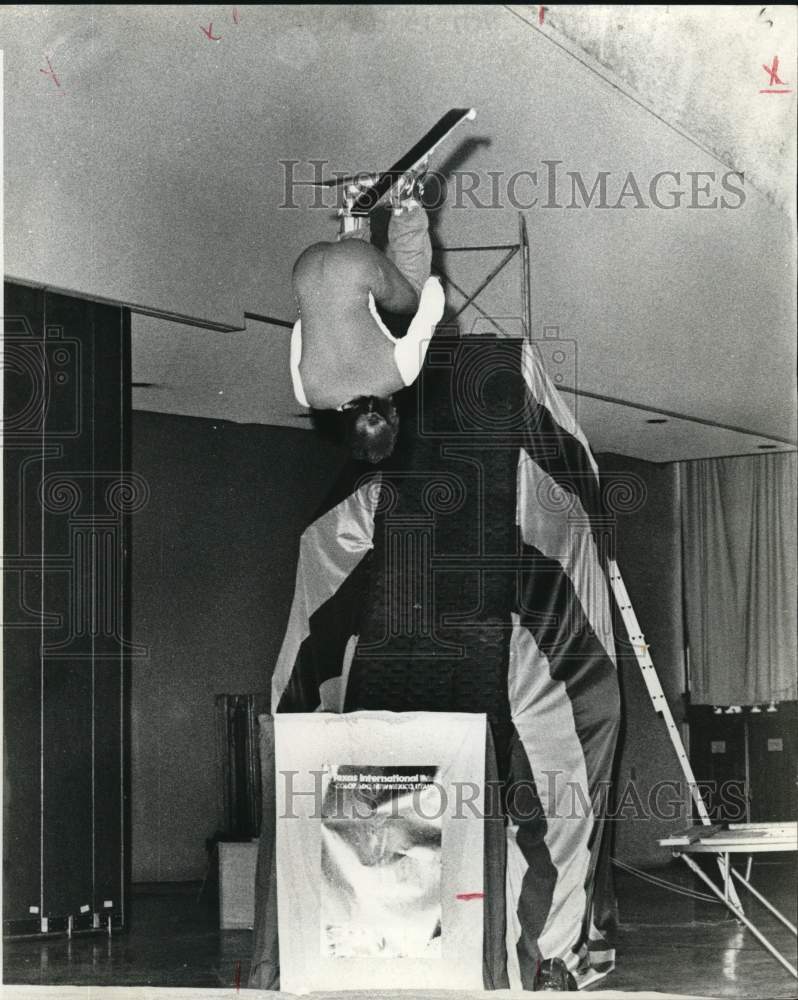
237, 864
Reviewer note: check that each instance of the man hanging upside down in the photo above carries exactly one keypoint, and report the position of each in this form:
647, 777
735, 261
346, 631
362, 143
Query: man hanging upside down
343, 357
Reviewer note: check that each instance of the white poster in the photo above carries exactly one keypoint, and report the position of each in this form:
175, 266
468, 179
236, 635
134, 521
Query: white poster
380, 850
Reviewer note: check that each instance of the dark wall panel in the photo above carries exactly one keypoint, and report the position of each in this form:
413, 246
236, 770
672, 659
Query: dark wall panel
214, 559
717, 753
22, 580
68, 800
65, 678
773, 754
748, 759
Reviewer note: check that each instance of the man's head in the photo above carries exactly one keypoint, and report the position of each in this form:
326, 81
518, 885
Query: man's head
374, 428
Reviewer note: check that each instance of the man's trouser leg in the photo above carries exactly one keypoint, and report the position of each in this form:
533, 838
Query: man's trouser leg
409, 247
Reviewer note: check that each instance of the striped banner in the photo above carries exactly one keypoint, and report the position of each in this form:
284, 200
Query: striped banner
564, 698
559, 657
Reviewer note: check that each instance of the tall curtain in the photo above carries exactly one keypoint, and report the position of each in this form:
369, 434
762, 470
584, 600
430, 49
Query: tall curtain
739, 536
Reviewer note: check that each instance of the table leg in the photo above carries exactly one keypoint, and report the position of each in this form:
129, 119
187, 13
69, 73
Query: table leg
766, 903
738, 912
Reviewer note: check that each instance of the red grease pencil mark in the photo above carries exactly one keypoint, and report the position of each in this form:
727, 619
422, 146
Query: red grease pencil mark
773, 73
541, 14
208, 32
236, 18
466, 896
51, 72
238, 976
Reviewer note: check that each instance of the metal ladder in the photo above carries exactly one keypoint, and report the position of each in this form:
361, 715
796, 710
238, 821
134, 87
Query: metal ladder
661, 706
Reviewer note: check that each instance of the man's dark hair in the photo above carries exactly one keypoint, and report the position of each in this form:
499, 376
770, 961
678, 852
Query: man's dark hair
330, 425
373, 428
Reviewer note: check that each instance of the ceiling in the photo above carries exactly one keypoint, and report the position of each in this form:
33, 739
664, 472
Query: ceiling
152, 170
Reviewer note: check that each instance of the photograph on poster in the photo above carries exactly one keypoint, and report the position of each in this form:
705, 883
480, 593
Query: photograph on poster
381, 863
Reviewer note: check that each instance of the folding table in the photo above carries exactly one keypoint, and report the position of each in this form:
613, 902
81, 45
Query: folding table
738, 838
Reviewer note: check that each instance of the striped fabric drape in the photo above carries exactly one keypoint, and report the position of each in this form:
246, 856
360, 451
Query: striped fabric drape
564, 698
559, 659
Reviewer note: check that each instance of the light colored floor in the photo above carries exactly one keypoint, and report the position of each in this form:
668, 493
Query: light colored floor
181, 993
667, 943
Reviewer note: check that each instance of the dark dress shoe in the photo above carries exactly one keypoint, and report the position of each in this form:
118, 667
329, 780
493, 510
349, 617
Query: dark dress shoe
552, 974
